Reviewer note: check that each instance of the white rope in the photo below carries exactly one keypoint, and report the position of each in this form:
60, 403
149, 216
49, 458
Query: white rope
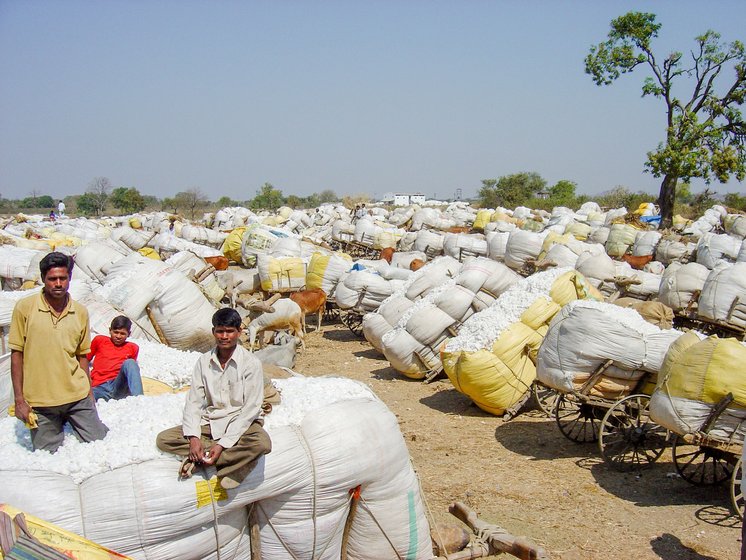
334, 532
279, 538
313, 480
214, 511
373, 517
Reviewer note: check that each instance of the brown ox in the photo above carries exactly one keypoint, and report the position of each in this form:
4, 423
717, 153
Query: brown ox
387, 253
416, 264
310, 301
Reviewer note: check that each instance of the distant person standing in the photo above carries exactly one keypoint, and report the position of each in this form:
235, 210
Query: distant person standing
49, 342
61, 209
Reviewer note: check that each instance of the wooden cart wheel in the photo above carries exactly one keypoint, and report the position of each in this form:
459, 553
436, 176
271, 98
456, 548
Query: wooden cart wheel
353, 321
736, 494
628, 439
578, 421
544, 397
700, 465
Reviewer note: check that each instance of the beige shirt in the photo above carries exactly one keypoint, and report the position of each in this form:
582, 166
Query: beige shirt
51, 345
229, 399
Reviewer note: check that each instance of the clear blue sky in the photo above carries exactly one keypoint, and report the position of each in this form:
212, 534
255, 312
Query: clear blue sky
357, 97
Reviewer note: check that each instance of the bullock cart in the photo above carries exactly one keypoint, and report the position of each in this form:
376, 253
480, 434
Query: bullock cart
703, 459
626, 436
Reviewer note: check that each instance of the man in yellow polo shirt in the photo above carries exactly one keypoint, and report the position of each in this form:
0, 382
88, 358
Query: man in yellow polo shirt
49, 341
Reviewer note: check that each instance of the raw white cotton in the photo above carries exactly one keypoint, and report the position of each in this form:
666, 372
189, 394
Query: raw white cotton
482, 329
163, 363
135, 422
627, 317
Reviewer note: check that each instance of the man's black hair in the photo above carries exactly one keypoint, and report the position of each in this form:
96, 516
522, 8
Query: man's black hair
55, 259
226, 317
121, 322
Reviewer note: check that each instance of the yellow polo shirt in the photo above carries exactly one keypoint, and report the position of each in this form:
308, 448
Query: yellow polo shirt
52, 375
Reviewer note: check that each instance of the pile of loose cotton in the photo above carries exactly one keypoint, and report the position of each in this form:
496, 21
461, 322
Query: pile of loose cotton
163, 363
135, 422
482, 329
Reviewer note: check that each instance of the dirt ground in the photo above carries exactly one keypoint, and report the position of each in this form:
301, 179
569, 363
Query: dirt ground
525, 476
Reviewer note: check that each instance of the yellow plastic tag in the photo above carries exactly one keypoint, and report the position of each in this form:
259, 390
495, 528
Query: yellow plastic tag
209, 490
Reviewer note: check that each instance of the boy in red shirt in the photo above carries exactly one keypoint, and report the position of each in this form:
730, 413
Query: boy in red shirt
115, 374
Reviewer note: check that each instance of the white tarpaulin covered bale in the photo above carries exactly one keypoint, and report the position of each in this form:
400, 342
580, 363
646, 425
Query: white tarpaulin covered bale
723, 296
585, 334
680, 283
695, 376
412, 344
328, 435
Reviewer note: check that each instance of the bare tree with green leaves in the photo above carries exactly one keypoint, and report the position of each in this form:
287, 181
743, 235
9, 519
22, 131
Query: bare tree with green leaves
191, 200
98, 194
705, 132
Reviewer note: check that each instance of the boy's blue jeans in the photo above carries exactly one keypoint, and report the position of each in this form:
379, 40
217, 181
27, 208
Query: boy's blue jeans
127, 383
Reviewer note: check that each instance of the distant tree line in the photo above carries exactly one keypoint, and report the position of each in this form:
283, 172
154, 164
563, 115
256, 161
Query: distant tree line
531, 190
101, 198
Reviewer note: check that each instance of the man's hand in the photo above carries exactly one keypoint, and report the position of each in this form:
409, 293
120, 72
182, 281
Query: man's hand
215, 452
22, 411
196, 451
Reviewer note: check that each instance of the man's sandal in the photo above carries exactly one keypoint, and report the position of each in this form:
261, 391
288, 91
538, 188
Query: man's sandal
186, 469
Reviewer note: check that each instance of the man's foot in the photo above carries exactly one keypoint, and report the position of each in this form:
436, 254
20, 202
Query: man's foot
237, 477
229, 483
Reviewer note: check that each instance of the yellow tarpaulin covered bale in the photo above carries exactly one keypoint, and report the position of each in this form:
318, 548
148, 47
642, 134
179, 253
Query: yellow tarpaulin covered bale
150, 253
324, 271
578, 230
232, 245
695, 376
484, 216
135, 223
497, 378
69, 544
288, 273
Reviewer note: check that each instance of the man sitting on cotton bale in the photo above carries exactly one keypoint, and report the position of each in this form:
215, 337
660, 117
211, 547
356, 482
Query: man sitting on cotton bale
115, 373
222, 423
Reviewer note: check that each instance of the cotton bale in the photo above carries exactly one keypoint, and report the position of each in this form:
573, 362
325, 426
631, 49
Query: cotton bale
492, 358
202, 273
523, 246
497, 242
325, 271
621, 238
599, 234
713, 248
645, 243
91, 258
723, 296
429, 242
653, 312
300, 491
585, 334
671, 250
363, 289
680, 283
735, 225
694, 377
134, 238
463, 245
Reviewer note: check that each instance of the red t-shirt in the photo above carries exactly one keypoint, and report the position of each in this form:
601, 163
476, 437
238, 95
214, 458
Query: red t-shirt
109, 358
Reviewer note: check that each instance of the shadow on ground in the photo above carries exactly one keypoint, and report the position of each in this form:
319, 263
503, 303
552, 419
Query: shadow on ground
660, 486
670, 547
540, 439
450, 401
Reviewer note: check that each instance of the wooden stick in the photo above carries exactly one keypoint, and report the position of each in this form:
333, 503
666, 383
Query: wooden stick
254, 537
354, 499
498, 539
